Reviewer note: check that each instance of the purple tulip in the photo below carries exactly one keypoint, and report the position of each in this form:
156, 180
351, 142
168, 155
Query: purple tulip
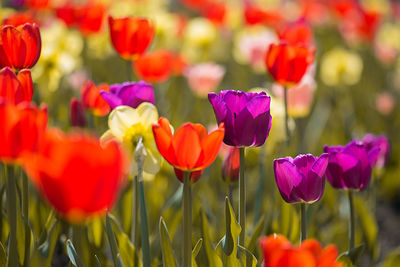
301, 179
129, 94
246, 116
350, 166
371, 141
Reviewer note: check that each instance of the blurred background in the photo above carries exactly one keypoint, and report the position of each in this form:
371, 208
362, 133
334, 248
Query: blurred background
206, 46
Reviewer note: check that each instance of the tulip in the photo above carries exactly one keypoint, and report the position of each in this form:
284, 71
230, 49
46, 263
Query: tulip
16, 88
380, 141
279, 252
301, 180
296, 33
246, 116
255, 14
190, 149
19, 18
155, 66
230, 165
288, 63
247, 120
22, 129
130, 36
349, 168
93, 100
129, 94
77, 113
204, 78
19, 46
79, 177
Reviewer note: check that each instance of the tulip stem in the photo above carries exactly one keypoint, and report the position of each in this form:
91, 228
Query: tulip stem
140, 157
12, 216
25, 210
187, 221
286, 115
303, 216
352, 233
242, 198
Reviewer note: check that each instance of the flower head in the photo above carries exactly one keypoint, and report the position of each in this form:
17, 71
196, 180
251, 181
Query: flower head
79, 177
191, 148
128, 94
246, 116
22, 129
19, 46
287, 63
378, 141
301, 179
155, 66
16, 88
93, 100
230, 165
131, 36
77, 113
279, 252
350, 166
127, 125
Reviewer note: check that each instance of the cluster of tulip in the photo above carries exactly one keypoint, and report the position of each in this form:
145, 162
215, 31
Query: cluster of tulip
82, 177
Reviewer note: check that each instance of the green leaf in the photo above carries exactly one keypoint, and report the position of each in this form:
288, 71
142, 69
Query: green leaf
3, 256
196, 251
369, 226
72, 255
167, 251
97, 261
353, 255
228, 246
392, 259
126, 248
252, 244
212, 256
113, 243
247, 259
43, 254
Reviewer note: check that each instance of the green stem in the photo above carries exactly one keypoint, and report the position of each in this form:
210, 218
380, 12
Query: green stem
135, 209
25, 212
352, 232
286, 115
113, 243
242, 198
12, 216
187, 221
143, 216
303, 215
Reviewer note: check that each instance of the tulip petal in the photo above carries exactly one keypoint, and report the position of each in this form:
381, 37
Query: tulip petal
25, 78
287, 177
187, 146
210, 146
113, 100
220, 108
163, 138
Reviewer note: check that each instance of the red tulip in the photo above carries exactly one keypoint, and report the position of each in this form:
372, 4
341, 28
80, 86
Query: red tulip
254, 14
15, 88
93, 100
230, 165
19, 46
130, 36
191, 148
22, 128
215, 12
79, 177
155, 66
19, 18
287, 63
296, 33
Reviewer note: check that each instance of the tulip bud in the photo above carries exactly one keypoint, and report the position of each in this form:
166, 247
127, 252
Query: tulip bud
230, 165
77, 113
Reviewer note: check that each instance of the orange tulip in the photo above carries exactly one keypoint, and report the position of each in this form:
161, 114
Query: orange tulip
22, 128
130, 36
155, 66
19, 46
16, 88
19, 18
278, 252
78, 177
93, 100
287, 63
191, 148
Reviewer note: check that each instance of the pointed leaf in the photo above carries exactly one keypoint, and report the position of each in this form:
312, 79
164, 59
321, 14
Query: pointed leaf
97, 261
113, 243
247, 258
212, 257
43, 254
167, 251
3, 256
196, 251
251, 246
353, 255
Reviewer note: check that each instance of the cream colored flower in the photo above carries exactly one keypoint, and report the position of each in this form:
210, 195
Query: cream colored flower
127, 125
